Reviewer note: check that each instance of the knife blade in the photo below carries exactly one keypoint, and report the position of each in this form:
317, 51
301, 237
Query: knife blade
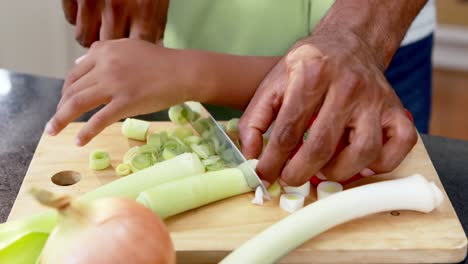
233, 156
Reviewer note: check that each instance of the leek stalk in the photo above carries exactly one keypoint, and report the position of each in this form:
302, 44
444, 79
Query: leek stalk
174, 197
411, 193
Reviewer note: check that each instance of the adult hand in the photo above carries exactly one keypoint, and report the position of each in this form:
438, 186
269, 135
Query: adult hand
129, 77
112, 19
339, 78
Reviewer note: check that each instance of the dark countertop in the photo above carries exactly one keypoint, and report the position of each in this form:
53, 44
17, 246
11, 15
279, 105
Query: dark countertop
27, 102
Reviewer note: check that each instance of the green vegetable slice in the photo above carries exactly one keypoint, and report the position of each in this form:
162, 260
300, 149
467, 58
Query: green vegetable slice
232, 124
123, 169
192, 140
135, 128
157, 139
99, 160
140, 161
202, 150
182, 132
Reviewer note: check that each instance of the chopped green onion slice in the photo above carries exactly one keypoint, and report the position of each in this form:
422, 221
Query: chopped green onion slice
218, 165
135, 128
128, 156
123, 169
99, 160
192, 140
140, 161
175, 145
216, 144
211, 160
178, 114
182, 132
193, 116
169, 154
202, 124
157, 139
202, 150
232, 124
207, 134
228, 155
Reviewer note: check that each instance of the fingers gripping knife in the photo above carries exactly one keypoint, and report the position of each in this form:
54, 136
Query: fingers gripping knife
315, 180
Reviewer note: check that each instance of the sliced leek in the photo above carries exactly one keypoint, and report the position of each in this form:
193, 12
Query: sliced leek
123, 169
157, 139
182, 132
258, 198
99, 160
291, 202
135, 128
327, 188
178, 114
303, 190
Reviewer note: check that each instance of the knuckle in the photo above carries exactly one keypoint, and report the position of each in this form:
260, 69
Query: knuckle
97, 45
351, 83
367, 148
320, 148
286, 138
385, 167
76, 102
293, 181
82, 38
408, 136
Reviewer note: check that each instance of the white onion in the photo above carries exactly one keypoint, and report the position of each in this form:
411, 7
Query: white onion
107, 230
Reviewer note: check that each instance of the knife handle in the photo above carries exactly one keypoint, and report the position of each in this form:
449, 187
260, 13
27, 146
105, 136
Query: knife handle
314, 180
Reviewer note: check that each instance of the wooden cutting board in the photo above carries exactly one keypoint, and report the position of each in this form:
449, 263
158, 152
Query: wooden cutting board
206, 234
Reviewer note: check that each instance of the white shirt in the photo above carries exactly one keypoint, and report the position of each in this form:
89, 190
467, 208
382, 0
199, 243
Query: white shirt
423, 25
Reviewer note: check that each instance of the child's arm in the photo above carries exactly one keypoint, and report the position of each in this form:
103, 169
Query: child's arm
134, 77
228, 80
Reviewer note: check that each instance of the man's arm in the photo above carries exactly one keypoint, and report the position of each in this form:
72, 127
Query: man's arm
381, 25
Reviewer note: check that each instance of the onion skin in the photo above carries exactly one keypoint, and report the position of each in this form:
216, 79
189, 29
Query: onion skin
108, 230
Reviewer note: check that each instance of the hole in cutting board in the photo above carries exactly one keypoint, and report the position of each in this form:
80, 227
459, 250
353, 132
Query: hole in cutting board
66, 178
395, 213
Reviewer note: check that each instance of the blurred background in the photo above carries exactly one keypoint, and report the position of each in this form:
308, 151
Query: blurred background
35, 38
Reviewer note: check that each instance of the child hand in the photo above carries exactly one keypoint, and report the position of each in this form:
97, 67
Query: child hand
130, 77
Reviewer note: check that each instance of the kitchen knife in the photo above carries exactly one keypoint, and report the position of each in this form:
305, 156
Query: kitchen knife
235, 157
